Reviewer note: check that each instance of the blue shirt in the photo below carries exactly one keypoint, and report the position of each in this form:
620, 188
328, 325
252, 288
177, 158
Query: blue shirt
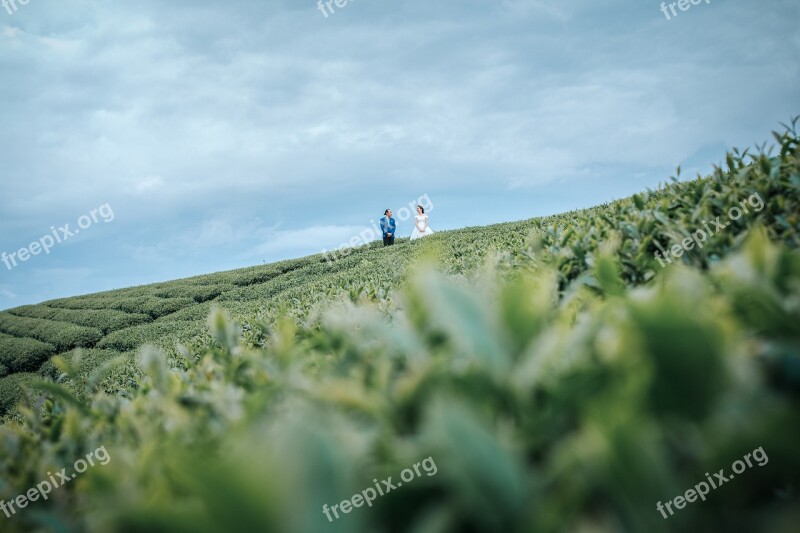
389, 227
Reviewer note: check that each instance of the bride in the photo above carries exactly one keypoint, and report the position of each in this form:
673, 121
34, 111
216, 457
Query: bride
420, 224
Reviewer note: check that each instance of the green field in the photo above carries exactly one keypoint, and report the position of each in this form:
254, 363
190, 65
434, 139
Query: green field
561, 375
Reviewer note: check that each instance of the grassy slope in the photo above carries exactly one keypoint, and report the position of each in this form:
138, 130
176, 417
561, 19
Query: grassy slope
118, 322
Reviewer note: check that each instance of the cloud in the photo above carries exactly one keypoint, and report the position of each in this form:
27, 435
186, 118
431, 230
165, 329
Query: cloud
5, 293
307, 240
147, 185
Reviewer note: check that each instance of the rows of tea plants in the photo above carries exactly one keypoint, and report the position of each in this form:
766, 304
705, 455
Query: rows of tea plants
557, 374
120, 321
104, 320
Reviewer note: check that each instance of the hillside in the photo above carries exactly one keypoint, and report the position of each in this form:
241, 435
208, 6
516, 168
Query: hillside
116, 323
570, 372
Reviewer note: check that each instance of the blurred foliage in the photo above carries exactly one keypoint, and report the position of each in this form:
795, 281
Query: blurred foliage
560, 379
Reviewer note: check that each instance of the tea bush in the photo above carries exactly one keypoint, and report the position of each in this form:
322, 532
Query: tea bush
81, 365
22, 354
198, 293
134, 337
11, 392
62, 335
104, 320
149, 305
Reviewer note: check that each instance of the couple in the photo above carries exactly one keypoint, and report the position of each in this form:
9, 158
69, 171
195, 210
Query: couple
389, 227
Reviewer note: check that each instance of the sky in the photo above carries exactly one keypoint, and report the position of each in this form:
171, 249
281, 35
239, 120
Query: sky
188, 137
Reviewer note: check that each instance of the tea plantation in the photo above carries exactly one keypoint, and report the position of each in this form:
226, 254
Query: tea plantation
576, 372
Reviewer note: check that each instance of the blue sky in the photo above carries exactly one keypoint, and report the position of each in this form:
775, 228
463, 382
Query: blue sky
228, 134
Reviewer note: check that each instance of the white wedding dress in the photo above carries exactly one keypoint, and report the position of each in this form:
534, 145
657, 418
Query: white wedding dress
420, 221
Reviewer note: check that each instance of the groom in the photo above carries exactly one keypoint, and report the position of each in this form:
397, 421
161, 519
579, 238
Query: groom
388, 228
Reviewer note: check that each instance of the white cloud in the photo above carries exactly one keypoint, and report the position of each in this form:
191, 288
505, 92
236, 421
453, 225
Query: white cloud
309, 240
7, 294
147, 184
